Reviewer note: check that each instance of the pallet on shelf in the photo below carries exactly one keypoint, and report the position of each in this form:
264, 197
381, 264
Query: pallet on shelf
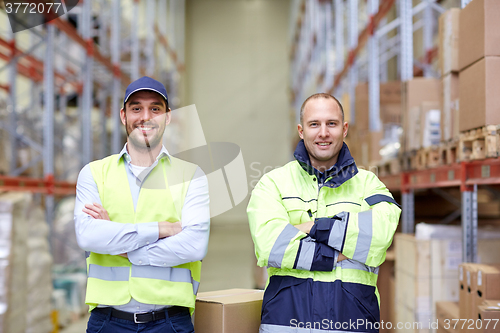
408, 160
429, 157
389, 167
480, 143
448, 152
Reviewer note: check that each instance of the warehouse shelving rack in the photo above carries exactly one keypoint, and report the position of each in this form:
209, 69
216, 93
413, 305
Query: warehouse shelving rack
87, 62
345, 62
465, 175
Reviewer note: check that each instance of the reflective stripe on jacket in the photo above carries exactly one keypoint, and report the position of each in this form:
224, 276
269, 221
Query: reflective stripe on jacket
354, 215
114, 280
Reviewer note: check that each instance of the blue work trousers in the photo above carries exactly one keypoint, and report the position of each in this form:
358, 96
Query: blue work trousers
105, 323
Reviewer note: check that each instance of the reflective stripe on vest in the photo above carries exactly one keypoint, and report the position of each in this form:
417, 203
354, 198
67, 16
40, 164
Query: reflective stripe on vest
173, 274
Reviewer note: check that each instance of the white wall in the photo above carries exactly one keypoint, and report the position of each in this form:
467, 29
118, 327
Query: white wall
237, 75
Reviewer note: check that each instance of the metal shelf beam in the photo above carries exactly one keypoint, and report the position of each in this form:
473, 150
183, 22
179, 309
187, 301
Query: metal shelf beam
466, 175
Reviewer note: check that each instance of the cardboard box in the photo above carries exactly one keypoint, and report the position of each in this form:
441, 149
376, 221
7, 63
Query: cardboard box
477, 283
374, 143
489, 313
346, 104
448, 41
412, 132
414, 93
390, 104
487, 283
478, 91
445, 313
228, 311
391, 113
479, 31
466, 292
450, 107
361, 107
390, 93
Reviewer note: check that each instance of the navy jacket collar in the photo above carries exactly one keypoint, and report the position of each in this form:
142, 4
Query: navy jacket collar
342, 171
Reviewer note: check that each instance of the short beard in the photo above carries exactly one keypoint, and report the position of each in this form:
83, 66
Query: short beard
142, 146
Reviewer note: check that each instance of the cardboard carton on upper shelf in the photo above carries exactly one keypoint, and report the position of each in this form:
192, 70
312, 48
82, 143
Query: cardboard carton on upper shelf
228, 311
450, 107
390, 104
479, 97
448, 41
479, 31
414, 92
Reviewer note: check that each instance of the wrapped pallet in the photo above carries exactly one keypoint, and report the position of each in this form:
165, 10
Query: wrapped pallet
13, 263
39, 283
69, 272
426, 270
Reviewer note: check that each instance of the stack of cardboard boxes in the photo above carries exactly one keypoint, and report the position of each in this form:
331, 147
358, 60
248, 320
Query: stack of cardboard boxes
365, 145
427, 277
479, 298
465, 97
448, 64
479, 63
420, 98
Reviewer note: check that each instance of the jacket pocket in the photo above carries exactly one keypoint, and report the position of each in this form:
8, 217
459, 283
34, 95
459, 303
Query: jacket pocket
298, 210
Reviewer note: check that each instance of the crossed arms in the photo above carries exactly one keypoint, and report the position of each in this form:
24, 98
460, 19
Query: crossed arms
156, 243
363, 236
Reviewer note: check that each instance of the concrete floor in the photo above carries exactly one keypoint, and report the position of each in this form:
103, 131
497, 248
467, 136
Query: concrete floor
229, 263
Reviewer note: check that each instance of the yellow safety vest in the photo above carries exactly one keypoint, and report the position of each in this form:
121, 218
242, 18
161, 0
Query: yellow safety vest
114, 280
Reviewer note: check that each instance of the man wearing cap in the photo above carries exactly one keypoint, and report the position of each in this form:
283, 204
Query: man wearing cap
143, 217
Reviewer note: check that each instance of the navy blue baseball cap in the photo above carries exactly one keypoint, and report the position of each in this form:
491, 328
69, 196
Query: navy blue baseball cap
145, 83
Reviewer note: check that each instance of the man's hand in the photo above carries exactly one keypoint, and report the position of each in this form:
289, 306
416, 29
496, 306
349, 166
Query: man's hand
341, 257
168, 229
96, 211
305, 227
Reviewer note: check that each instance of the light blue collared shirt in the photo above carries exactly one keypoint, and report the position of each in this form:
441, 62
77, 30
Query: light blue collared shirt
140, 241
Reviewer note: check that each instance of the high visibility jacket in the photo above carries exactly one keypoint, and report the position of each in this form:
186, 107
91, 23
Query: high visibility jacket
112, 279
354, 215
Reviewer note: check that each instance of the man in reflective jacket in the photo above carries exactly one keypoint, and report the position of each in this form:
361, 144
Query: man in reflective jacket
322, 227
143, 216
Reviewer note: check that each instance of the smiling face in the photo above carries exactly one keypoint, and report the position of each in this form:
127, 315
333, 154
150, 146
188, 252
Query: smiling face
323, 132
145, 117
